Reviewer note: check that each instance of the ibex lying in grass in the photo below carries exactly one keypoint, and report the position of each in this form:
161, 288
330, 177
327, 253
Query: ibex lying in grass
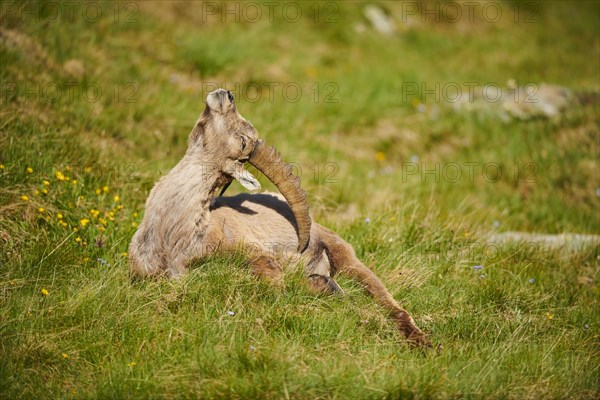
184, 220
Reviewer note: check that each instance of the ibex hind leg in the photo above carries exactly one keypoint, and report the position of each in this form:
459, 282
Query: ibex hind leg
344, 261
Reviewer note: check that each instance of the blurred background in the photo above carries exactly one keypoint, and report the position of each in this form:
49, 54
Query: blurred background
488, 109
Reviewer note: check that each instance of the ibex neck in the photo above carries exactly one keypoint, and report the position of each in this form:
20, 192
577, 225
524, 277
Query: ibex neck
198, 181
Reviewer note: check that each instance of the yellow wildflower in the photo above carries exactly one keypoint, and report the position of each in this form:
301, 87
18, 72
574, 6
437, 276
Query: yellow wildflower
102, 221
135, 215
78, 239
41, 209
380, 156
311, 72
94, 213
37, 192
124, 254
98, 191
116, 199
105, 189
120, 207
62, 223
75, 230
45, 191
85, 259
87, 170
59, 175
45, 292
59, 216
84, 221
29, 170
549, 315
24, 198
74, 182
65, 355
101, 228
1, 166
132, 364
45, 183
134, 224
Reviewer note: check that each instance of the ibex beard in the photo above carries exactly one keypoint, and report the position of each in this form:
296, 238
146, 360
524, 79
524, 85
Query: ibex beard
186, 220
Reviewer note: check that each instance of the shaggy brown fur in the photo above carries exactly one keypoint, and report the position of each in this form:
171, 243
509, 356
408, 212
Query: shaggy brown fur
181, 222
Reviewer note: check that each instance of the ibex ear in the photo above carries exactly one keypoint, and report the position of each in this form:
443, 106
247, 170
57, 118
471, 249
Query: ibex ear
245, 178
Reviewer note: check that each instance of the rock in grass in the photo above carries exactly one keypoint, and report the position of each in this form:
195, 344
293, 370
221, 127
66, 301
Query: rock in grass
567, 241
519, 102
380, 21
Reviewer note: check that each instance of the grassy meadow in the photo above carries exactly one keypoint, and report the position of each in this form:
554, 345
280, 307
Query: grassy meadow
98, 98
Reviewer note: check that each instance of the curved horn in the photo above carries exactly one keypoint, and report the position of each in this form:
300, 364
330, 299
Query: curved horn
268, 161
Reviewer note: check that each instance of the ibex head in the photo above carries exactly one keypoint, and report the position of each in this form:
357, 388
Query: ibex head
224, 137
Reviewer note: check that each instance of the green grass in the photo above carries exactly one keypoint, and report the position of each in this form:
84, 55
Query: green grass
525, 326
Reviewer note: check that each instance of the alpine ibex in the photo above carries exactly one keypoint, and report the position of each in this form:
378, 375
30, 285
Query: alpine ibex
185, 220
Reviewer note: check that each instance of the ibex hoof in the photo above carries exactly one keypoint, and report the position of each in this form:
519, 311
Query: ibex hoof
420, 340
324, 284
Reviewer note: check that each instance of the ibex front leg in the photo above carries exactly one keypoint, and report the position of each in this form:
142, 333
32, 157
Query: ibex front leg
265, 267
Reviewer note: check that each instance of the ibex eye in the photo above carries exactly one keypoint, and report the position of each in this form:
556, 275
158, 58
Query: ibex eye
230, 96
